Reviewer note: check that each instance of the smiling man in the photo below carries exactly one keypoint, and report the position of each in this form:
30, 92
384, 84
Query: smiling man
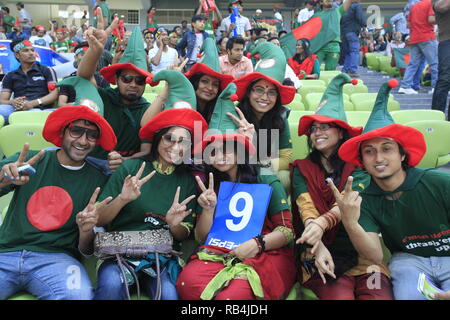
53, 212
410, 207
234, 63
124, 105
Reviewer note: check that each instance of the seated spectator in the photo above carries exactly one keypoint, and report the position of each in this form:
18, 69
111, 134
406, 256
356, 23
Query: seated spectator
234, 63
41, 38
173, 40
304, 63
162, 56
149, 39
222, 45
62, 45
290, 74
17, 34
396, 42
75, 34
2, 33
380, 45
28, 84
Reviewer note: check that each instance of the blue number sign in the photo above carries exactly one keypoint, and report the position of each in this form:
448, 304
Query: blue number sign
240, 212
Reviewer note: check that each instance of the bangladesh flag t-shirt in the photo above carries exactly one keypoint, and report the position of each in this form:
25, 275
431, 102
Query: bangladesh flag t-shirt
418, 221
41, 215
62, 47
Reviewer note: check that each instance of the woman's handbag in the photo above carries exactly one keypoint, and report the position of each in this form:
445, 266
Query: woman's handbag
123, 245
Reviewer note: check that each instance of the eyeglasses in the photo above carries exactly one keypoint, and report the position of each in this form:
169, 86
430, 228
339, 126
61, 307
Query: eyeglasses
169, 140
150, 38
260, 92
224, 150
77, 132
139, 80
322, 127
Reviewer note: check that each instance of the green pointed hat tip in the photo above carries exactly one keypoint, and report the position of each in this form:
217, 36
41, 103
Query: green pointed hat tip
181, 91
209, 55
332, 102
220, 121
135, 51
273, 61
86, 94
380, 116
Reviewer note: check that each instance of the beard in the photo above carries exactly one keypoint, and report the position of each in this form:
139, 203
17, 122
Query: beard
130, 97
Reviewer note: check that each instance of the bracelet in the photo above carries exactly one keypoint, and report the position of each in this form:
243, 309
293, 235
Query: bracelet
260, 242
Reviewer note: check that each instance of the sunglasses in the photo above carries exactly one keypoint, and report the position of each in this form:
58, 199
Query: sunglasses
139, 80
77, 131
169, 139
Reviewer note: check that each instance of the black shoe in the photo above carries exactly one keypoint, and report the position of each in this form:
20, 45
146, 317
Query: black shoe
353, 75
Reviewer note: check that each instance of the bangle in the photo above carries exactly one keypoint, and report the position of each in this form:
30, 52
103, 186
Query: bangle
260, 242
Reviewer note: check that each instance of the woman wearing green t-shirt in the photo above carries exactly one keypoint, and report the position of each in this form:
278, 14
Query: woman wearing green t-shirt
164, 202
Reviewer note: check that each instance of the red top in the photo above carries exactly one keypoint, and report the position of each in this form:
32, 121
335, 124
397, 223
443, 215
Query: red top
420, 29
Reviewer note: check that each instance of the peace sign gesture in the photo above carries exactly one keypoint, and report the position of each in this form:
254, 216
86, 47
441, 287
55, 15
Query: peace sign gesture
349, 201
178, 211
131, 189
246, 128
11, 170
88, 218
208, 199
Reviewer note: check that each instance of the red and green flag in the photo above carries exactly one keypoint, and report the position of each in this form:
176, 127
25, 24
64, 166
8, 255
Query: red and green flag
401, 56
322, 28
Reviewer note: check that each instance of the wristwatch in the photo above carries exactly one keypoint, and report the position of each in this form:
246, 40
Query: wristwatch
40, 102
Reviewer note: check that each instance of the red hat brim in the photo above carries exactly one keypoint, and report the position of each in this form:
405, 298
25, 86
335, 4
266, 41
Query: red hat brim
185, 118
238, 137
412, 140
63, 116
287, 93
199, 67
109, 72
307, 120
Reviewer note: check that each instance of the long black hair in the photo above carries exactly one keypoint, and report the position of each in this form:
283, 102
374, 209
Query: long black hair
271, 120
336, 163
209, 107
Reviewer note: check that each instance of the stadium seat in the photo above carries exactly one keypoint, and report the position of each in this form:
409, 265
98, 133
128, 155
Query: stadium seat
372, 61
328, 75
156, 89
352, 89
28, 117
404, 116
297, 103
149, 96
357, 118
14, 136
295, 116
2, 122
367, 105
312, 100
299, 144
304, 91
436, 133
312, 82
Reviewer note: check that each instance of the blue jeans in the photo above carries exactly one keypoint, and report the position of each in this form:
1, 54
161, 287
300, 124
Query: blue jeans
48, 276
443, 83
405, 269
111, 285
427, 49
351, 52
6, 110
418, 76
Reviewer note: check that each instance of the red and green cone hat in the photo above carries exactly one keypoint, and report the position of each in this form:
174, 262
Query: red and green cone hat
209, 64
134, 58
381, 125
331, 108
222, 127
271, 67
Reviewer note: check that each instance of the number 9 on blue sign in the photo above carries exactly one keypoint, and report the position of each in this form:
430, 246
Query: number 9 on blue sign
245, 214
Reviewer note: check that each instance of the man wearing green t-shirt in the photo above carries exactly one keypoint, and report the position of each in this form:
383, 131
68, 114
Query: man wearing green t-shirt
8, 20
40, 242
410, 207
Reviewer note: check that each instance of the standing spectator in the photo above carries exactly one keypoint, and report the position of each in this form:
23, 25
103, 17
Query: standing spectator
294, 21
277, 15
28, 84
351, 24
442, 9
152, 24
41, 38
8, 21
242, 25
234, 63
192, 41
25, 20
307, 12
400, 24
173, 40
184, 27
106, 13
213, 19
162, 56
422, 43
75, 35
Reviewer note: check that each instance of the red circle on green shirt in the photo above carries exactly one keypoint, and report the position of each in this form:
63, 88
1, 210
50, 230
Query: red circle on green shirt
49, 208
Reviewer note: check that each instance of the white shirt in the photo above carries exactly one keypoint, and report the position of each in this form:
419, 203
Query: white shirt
242, 25
289, 73
198, 44
25, 15
304, 15
41, 41
168, 58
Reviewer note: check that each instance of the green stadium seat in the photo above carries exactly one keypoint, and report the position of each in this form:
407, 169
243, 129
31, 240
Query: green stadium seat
404, 116
295, 116
357, 118
351, 89
299, 144
156, 89
304, 91
436, 133
367, 105
28, 117
312, 82
372, 61
150, 96
297, 103
14, 136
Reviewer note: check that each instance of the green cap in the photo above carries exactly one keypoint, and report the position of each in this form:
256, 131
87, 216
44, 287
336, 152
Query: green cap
135, 51
380, 116
181, 91
86, 93
332, 102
